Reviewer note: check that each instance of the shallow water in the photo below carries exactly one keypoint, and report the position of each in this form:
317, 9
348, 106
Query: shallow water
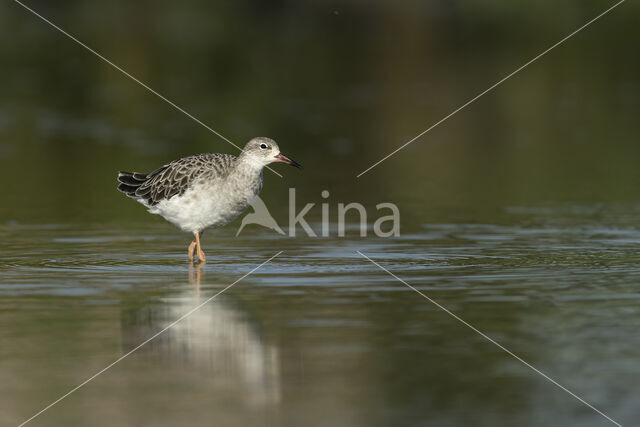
319, 335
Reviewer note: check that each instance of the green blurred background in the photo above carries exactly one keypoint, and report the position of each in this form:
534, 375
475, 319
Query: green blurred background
338, 85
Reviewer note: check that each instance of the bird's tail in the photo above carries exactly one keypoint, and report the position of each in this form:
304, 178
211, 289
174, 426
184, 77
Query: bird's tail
130, 182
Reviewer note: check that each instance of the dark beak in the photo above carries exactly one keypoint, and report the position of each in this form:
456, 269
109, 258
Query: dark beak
284, 159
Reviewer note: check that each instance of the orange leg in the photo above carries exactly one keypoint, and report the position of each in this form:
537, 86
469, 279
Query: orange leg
201, 256
192, 250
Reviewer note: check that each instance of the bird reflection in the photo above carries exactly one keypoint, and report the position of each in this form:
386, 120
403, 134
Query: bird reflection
218, 340
195, 276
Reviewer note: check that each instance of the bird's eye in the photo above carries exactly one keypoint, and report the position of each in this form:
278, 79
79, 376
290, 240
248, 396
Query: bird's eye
263, 146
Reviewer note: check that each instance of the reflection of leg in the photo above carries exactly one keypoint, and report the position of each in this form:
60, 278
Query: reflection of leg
195, 275
192, 250
201, 256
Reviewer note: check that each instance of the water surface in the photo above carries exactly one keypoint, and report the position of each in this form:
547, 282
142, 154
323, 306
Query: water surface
320, 335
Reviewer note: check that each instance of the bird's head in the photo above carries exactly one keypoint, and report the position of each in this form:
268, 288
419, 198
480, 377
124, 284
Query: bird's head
264, 151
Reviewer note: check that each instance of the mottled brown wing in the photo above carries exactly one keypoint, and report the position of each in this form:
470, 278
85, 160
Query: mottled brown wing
176, 177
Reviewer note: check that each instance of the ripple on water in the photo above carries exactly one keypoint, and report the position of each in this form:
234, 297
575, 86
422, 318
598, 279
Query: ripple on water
452, 257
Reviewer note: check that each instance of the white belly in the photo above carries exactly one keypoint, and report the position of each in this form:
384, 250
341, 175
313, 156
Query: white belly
203, 206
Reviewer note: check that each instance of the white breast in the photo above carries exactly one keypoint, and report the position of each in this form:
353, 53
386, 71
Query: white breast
206, 204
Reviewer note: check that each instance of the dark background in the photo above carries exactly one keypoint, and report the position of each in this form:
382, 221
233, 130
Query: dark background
339, 85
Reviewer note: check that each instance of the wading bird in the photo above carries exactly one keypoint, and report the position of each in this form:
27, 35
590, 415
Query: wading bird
205, 190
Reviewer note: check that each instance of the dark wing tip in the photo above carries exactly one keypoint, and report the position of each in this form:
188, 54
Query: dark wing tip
130, 182
129, 190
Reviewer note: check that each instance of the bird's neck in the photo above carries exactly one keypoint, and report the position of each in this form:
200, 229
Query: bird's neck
248, 167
